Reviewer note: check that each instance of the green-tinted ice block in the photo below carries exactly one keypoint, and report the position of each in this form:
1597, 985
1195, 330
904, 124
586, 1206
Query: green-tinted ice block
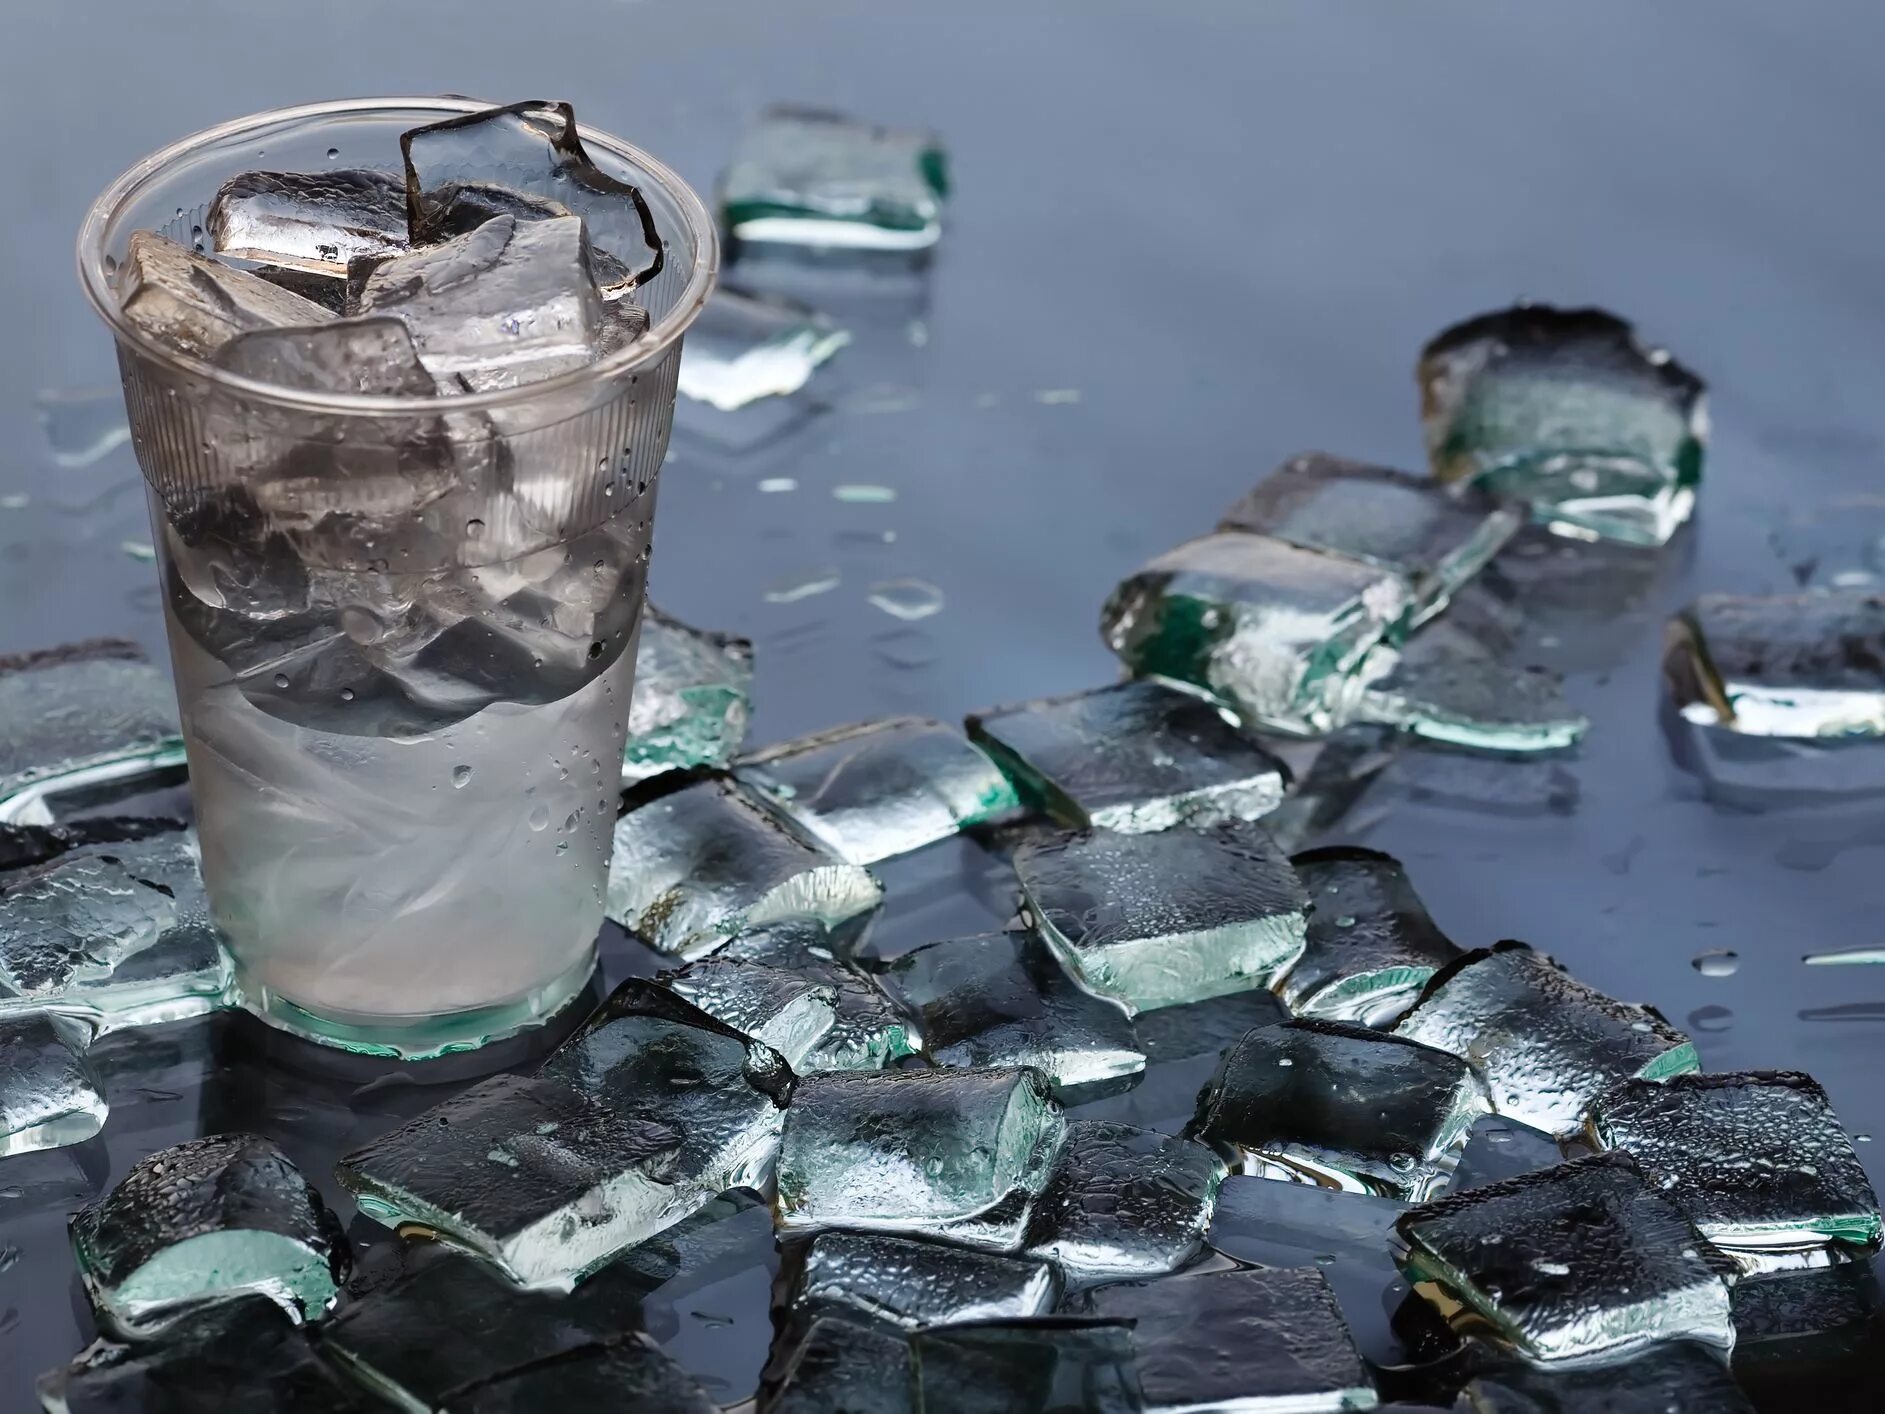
953, 1154
1580, 1260
1371, 944
629, 1373
1341, 1105
1756, 1159
1546, 1045
1285, 635
908, 1283
693, 868
49, 1094
1155, 920
1049, 1365
1133, 757
90, 718
1473, 701
1782, 665
879, 789
693, 696
1437, 538
845, 1367
1676, 1375
1565, 410
1003, 999
1240, 1342
811, 177
202, 1222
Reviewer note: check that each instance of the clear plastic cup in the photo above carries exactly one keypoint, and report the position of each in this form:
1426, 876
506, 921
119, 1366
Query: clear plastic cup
403, 629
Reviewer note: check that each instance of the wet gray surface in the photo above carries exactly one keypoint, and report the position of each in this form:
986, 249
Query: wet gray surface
1227, 229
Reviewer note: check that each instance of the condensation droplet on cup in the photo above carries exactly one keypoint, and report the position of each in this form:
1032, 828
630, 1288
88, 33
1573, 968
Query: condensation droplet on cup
474, 528
1721, 962
346, 694
332, 153
461, 777
281, 680
539, 818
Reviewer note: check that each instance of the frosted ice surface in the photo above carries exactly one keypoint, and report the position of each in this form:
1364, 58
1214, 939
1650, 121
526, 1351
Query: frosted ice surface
315, 221
49, 1094
909, 1283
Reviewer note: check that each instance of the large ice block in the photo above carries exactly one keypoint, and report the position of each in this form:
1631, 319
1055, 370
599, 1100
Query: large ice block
631, 1372
1584, 1259
1674, 1375
1546, 1045
952, 1154
1567, 411
1003, 999
693, 868
80, 719
909, 1283
747, 346
1136, 756
49, 1093
1473, 701
1757, 1160
1252, 1340
878, 789
1048, 1365
1286, 635
1154, 920
1394, 519
195, 305
1371, 945
373, 355
693, 698
1339, 1104
846, 1367
315, 221
201, 1222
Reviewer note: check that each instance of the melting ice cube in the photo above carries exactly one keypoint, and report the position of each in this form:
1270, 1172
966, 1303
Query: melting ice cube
345, 356
693, 698
909, 1283
747, 346
314, 221
49, 1094
195, 305
1473, 702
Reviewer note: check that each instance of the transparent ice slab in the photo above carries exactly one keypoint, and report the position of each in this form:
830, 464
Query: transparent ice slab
693, 868
1581, 1260
1502, 1148
49, 1093
1049, 1365
692, 701
631, 1372
315, 221
1757, 1160
909, 1284
1371, 944
204, 1221
1155, 920
1674, 1375
1567, 411
878, 789
1473, 702
195, 305
372, 355
846, 1367
1133, 757
746, 346
1546, 1045
1282, 633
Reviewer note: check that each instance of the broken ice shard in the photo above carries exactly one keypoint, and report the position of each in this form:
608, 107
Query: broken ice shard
1283, 633
630, 1372
1473, 702
195, 305
375, 356
1123, 1202
693, 868
1784, 665
878, 789
1584, 1259
1134, 757
1392, 519
1371, 944
747, 346
846, 1367
909, 1283
1567, 411
1546, 1045
530, 150
1672, 1375
1048, 1365
204, 1221
953, 1154
309, 220
1246, 1340
1155, 920
693, 698
811, 177
1002, 999
1757, 1160
83, 718
1339, 1104
49, 1094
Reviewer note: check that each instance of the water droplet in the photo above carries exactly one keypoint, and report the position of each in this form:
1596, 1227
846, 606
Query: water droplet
864, 494
774, 485
474, 528
461, 777
1845, 957
8, 1256
802, 585
332, 153
1347, 920
346, 694
1862, 1139
1721, 962
281, 680
907, 599
1325, 1259
562, 846
359, 624
540, 818
1710, 1018
1400, 1162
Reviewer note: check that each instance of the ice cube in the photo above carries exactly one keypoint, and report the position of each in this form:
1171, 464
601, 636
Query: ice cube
952, 1154
1565, 409
693, 698
1757, 1160
1499, 1149
22, 846
1338, 1104
1294, 1224
194, 304
1048, 1365
345, 356
863, 1029
1283, 633
693, 868
532, 150
1331, 775
1474, 702
1545, 1044
907, 1283
630, 1372
1247, 1340
1123, 1202
1154, 920
309, 220
1381, 516
844, 1367
1371, 944
201, 1222
49, 1093
812, 177
1134, 757
1581, 1260
1000, 999
1783, 665
87, 718
878, 789
747, 346
1673, 1375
